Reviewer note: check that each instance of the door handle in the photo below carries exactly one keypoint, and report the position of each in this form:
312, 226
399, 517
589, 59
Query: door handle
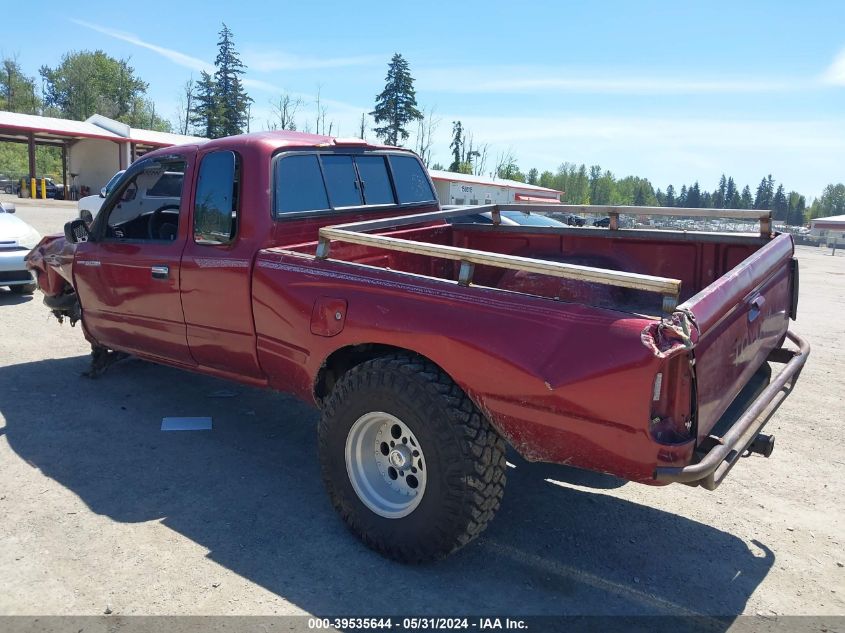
756, 307
160, 272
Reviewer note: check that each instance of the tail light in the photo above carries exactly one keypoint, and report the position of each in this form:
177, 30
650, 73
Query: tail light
672, 402
793, 285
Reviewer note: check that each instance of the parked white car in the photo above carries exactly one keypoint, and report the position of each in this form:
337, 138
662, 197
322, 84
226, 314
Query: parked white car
17, 238
89, 206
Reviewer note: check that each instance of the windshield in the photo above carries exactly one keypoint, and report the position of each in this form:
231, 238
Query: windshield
526, 219
111, 183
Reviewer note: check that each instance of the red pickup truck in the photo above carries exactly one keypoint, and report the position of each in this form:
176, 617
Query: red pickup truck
325, 268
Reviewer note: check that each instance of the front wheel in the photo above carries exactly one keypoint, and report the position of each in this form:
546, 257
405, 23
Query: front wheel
409, 462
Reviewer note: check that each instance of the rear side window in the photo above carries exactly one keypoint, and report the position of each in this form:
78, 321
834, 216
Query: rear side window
375, 180
216, 202
299, 185
410, 180
341, 181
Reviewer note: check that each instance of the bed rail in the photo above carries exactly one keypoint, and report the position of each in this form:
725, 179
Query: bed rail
357, 233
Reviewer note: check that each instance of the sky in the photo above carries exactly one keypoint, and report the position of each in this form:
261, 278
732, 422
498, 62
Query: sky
671, 91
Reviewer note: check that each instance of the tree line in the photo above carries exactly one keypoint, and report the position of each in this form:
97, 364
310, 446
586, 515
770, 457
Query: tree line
217, 104
581, 185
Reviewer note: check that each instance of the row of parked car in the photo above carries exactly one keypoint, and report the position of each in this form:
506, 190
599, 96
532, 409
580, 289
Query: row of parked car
522, 218
54, 190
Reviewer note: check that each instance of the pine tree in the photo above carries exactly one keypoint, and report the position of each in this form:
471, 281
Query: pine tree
795, 212
779, 205
745, 200
682, 197
765, 191
721, 194
693, 196
735, 202
396, 106
639, 197
595, 176
233, 100
731, 195
205, 114
533, 176
670, 197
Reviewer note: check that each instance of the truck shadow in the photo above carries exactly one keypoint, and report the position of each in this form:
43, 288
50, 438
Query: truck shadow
250, 492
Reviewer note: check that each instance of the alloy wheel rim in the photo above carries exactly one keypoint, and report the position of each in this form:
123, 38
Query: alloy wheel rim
385, 464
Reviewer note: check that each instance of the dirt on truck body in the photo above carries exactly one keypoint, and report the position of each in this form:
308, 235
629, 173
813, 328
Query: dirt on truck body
325, 268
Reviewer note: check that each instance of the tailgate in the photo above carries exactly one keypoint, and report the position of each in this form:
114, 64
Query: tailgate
741, 317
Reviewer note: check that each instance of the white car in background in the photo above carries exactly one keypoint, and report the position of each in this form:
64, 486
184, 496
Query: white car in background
89, 206
17, 238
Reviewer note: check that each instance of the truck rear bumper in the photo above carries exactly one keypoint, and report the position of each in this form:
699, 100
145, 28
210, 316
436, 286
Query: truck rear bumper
726, 450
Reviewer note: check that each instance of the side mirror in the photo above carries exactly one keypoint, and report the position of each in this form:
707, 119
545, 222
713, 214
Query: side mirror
103, 192
76, 231
8, 207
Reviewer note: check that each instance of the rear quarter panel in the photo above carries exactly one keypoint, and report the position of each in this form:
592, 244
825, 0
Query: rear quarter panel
562, 382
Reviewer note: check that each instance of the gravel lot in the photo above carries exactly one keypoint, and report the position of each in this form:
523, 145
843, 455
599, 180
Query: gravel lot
99, 508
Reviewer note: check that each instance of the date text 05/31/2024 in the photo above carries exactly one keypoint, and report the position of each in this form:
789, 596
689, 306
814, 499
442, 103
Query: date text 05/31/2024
414, 624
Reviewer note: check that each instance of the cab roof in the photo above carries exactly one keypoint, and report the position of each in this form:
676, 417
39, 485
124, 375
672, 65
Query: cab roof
271, 142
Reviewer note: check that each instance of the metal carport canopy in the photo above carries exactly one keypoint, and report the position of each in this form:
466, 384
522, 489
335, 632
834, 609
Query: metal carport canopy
38, 130
35, 130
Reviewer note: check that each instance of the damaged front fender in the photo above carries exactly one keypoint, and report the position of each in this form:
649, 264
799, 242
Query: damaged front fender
52, 262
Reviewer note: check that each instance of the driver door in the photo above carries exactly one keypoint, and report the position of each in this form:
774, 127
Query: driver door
127, 275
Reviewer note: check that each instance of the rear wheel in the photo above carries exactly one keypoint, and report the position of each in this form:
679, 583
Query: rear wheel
409, 462
25, 289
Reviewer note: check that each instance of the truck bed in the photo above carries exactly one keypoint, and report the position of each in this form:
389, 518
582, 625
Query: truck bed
580, 313
695, 260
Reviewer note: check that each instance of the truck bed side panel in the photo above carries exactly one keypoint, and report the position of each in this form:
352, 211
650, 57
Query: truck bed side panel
542, 371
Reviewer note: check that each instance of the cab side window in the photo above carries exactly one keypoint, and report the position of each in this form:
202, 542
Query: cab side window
217, 198
147, 205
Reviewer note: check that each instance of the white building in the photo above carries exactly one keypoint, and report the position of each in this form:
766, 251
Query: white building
828, 228
455, 188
